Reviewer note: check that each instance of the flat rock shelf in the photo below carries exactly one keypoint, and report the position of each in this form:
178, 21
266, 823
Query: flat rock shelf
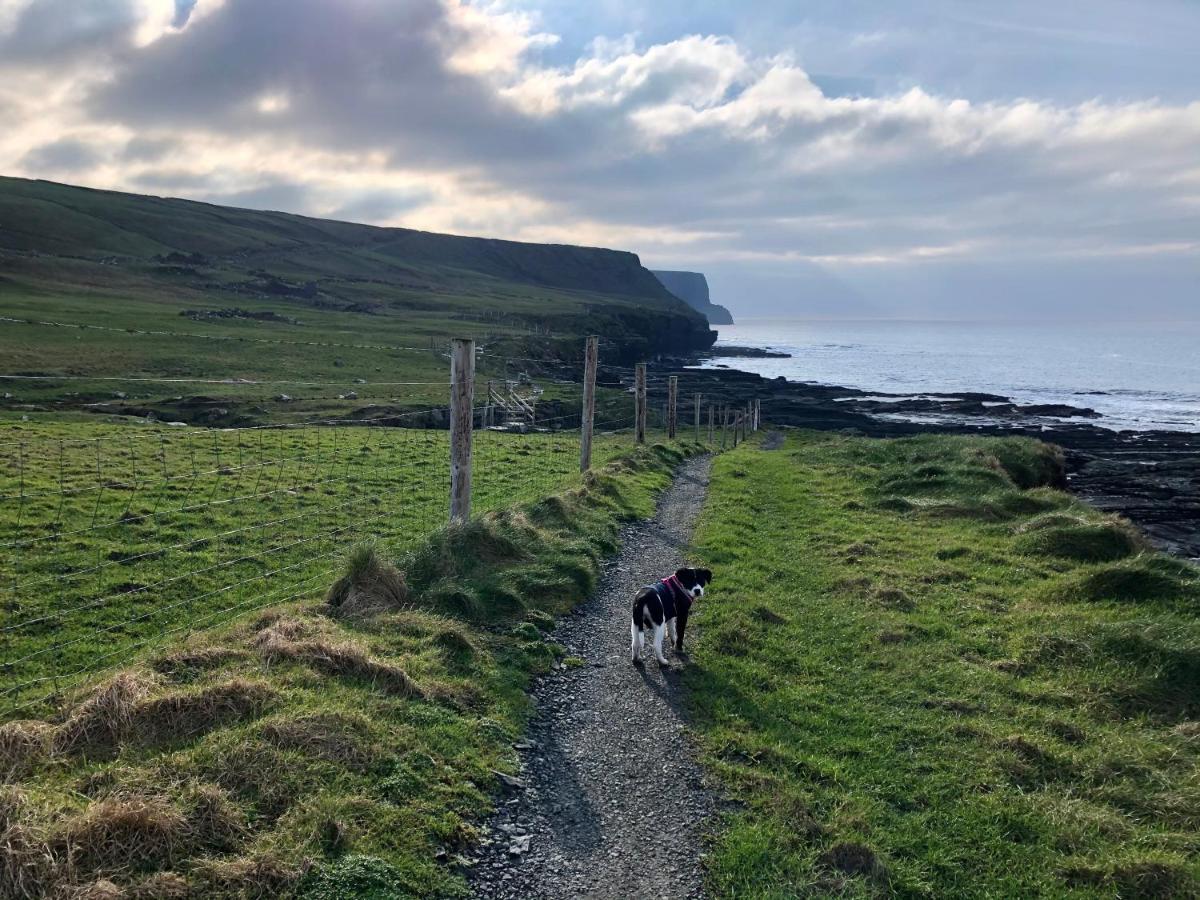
610, 802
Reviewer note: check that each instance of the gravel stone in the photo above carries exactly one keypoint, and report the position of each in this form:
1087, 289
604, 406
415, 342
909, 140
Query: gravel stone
613, 804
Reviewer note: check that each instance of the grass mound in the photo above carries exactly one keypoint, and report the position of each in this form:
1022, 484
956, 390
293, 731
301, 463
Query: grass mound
215, 822
339, 738
183, 716
1051, 520
121, 711
121, 835
1083, 541
369, 586
1162, 670
339, 659
1142, 579
895, 598
23, 745
101, 721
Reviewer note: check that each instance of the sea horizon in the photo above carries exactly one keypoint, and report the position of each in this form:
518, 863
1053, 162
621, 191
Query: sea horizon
1137, 375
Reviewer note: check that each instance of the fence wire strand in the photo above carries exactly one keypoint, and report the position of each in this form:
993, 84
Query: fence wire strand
125, 537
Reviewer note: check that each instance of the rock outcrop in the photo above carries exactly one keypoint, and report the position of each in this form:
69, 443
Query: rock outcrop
692, 289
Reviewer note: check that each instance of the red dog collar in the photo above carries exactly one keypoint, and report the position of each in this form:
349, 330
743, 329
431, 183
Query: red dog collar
678, 585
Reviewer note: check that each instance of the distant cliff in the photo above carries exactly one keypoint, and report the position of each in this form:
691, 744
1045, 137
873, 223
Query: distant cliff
72, 240
692, 289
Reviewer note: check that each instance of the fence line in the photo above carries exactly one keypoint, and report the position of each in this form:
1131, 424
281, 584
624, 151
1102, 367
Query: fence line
120, 539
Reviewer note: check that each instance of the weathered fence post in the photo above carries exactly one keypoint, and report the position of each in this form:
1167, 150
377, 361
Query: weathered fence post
724, 425
672, 405
696, 406
639, 403
462, 400
489, 416
590, 358
757, 413
711, 413
737, 425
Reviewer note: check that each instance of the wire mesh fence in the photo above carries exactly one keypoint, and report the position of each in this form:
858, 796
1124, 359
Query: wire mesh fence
115, 537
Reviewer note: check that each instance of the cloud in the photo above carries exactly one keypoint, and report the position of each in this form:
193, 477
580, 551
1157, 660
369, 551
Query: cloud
696, 149
65, 155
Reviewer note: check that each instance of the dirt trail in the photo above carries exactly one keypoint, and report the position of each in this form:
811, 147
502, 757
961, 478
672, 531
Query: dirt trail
612, 801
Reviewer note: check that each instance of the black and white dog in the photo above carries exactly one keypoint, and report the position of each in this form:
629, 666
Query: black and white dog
662, 605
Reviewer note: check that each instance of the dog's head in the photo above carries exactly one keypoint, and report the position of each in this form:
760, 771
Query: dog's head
694, 580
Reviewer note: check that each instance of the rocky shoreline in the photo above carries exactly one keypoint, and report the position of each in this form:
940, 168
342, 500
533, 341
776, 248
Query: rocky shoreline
1151, 477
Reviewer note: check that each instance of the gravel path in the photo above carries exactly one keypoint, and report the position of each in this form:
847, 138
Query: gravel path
610, 802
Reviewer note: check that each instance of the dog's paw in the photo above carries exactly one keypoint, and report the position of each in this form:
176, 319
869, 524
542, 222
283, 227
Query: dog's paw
638, 663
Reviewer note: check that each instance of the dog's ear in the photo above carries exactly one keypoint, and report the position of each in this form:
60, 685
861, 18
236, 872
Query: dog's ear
705, 575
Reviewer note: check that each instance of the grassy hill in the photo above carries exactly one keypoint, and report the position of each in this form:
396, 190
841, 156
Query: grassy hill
174, 288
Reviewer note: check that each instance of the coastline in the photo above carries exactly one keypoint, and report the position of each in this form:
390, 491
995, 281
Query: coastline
1150, 477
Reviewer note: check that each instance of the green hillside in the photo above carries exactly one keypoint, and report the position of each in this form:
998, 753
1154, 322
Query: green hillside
174, 288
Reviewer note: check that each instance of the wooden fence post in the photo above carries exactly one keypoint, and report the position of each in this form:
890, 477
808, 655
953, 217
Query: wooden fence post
672, 405
724, 425
590, 358
757, 413
462, 418
696, 405
737, 425
489, 415
639, 403
711, 413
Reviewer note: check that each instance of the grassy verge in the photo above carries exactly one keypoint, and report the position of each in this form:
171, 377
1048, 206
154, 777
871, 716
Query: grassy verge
924, 672
322, 750
115, 537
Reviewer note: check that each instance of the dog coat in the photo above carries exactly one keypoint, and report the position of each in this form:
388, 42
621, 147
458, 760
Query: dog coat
671, 594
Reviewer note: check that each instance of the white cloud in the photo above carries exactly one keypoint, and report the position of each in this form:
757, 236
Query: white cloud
447, 111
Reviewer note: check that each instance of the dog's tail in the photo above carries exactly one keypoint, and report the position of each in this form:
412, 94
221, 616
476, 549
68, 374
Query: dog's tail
639, 609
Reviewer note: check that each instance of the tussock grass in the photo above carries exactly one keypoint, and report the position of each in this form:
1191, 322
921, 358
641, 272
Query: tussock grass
370, 586
98, 724
341, 738
123, 834
23, 745
1025, 726
320, 750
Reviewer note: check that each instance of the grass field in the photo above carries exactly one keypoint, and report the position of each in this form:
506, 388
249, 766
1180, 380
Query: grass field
161, 301
922, 673
114, 536
317, 750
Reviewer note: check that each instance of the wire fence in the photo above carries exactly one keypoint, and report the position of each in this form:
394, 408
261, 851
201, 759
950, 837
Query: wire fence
118, 536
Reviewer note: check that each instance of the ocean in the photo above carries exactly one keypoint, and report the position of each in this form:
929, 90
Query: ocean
1137, 376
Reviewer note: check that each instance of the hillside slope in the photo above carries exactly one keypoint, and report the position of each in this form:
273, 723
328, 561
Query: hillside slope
60, 240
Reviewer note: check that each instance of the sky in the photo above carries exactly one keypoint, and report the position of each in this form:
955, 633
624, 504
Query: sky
955, 159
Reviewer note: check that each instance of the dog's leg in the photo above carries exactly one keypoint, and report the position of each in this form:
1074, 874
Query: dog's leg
658, 642
635, 642
671, 629
680, 628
